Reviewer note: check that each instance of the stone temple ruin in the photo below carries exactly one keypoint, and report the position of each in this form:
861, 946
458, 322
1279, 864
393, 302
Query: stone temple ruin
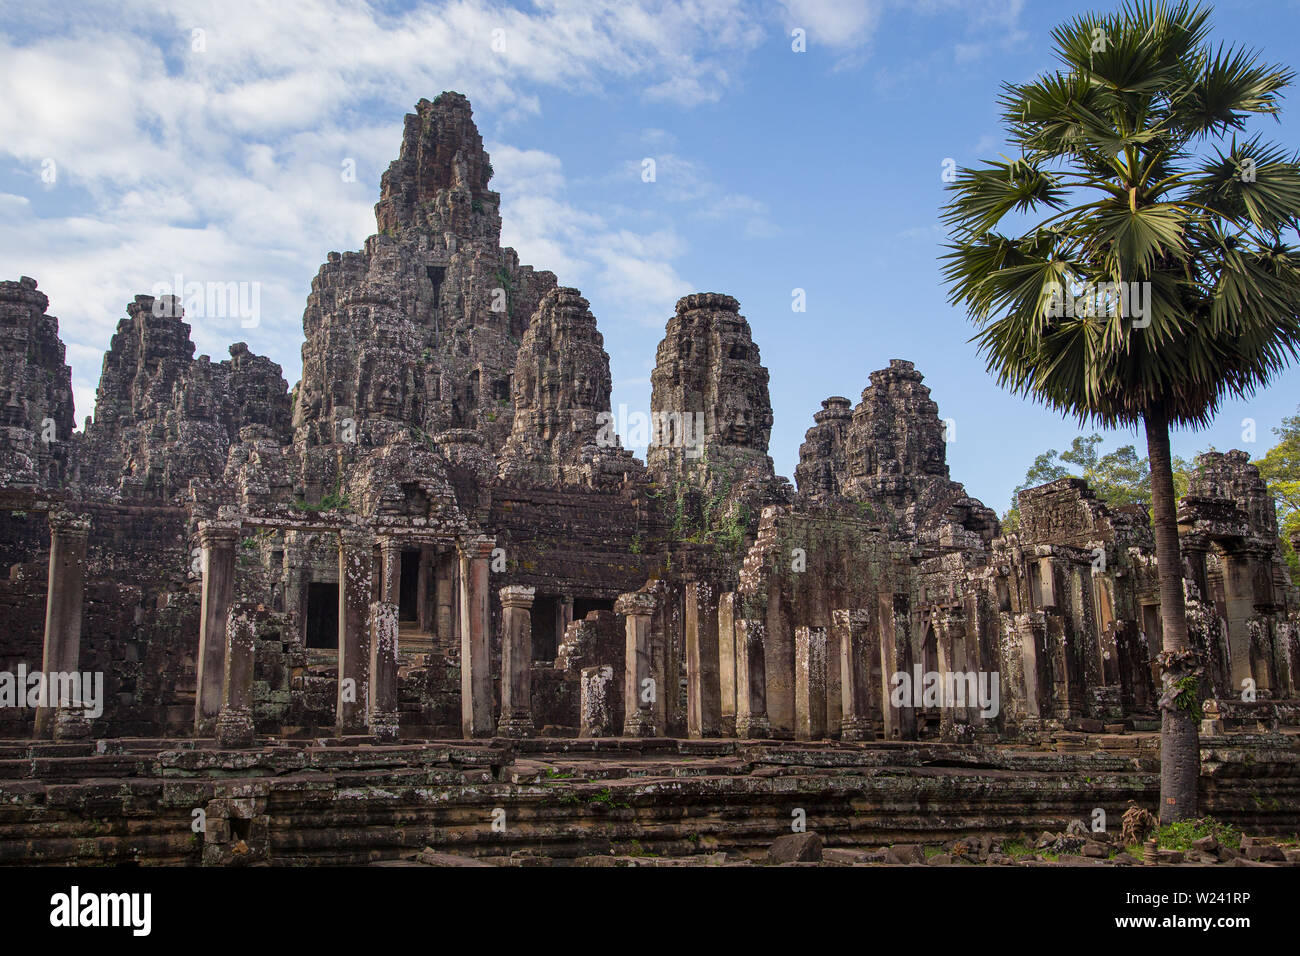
432, 538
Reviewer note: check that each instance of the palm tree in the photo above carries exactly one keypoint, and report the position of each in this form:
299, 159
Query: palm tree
1130, 162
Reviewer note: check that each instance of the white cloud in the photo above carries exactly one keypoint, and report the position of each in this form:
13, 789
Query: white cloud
839, 24
848, 27
633, 270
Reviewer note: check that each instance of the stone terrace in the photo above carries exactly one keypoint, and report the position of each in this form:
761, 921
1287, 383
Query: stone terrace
350, 800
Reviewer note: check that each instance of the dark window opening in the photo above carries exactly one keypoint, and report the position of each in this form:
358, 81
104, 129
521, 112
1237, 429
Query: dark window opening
415, 500
546, 607
436, 275
1004, 595
1153, 626
584, 606
323, 615
408, 608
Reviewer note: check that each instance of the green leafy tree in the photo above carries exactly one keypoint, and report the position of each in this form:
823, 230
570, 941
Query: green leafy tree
1280, 467
1119, 478
1152, 279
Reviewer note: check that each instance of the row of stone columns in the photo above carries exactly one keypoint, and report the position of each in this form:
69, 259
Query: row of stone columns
727, 672
368, 635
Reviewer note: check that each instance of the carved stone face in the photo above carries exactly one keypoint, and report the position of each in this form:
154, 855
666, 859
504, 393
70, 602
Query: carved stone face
737, 429
385, 397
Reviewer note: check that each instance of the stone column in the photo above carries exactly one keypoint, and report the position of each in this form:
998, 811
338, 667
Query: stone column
810, 683
1046, 583
1032, 630
475, 661
751, 680
638, 711
516, 662
959, 698
894, 618
1239, 598
853, 629
390, 573
563, 618
1104, 590
235, 725
444, 618
778, 665
1194, 549
597, 707
383, 714
727, 662
295, 586
356, 562
64, 599
217, 539
425, 602
833, 702
703, 696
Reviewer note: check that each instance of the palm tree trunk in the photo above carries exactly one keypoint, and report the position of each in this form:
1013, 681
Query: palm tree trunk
1180, 757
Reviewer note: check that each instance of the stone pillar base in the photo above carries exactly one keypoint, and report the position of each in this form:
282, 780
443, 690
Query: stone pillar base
44, 726
753, 728
71, 724
517, 727
597, 718
639, 724
385, 726
235, 729
857, 729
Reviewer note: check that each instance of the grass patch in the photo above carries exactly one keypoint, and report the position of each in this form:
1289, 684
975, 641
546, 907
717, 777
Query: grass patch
1181, 835
1017, 849
605, 797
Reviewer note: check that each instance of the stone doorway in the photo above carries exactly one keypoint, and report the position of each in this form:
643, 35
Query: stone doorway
408, 608
544, 611
323, 615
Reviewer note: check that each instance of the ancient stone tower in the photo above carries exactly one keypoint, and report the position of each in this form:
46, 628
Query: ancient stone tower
709, 390
890, 451
418, 333
36, 413
163, 417
561, 385
822, 455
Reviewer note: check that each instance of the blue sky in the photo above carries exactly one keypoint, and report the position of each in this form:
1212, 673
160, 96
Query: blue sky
775, 170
